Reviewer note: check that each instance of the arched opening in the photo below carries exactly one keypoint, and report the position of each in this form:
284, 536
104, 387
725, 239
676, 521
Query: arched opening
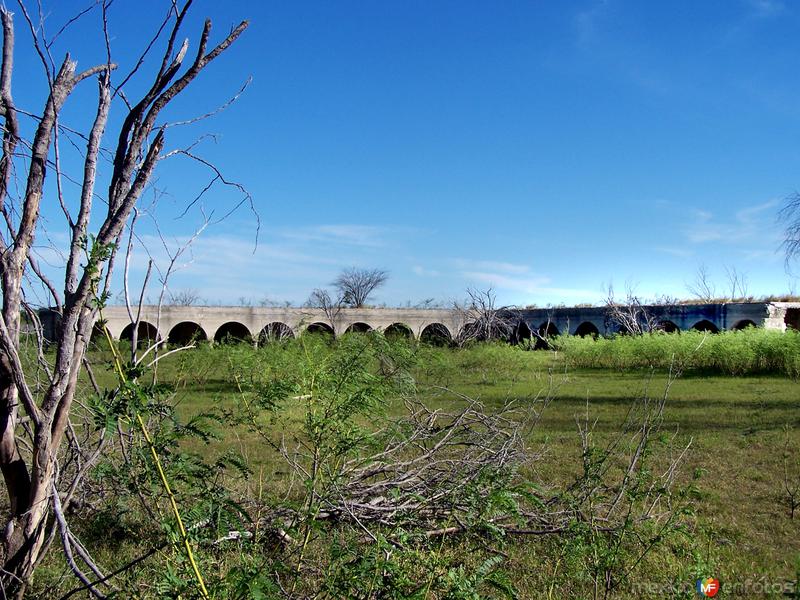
146, 333
232, 332
706, 325
436, 334
399, 331
743, 324
186, 333
358, 327
320, 328
275, 332
668, 327
587, 328
522, 333
547, 331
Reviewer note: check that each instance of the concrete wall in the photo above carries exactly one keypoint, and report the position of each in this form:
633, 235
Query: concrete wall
732, 315
772, 315
255, 319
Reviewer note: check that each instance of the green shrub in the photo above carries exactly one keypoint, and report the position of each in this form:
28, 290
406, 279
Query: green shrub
749, 351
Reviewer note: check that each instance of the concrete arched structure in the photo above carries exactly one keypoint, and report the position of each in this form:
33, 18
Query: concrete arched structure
399, 330
705, 325
522, 333
769, 315
546, 330
232, 332
587, 328
186, 332
358, 327
668, 326
318, 328
146, 333
743, 324
275, 332
436, 334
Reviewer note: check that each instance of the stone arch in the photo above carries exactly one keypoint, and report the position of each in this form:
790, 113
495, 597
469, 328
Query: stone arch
744, 324
275, 332
522, 333
146, 333
232, 332
436, 334
399, 330
668, 326
705, 325
546, 331
186, 332
587, 328
320, 328
358, 327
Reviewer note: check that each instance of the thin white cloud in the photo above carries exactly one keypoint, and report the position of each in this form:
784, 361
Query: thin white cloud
356, 235
532, 286
490, 265
751, 224
765, 8
423, 272
679, 252
586, 22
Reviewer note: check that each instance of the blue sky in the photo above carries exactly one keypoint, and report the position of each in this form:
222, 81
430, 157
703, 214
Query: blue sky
545, 149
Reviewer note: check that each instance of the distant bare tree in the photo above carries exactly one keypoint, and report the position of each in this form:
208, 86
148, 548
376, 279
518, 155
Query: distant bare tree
187, 297
356, 285
790, 214
737, 283
629, 314
266, 301
483, 319
332, 307
702, 287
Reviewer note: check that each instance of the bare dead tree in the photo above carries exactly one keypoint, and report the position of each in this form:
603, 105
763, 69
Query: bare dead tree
185, 297
32, 476
628, 315
790, 215
356, 285
482, 319
330, 306
702, 287
738, 284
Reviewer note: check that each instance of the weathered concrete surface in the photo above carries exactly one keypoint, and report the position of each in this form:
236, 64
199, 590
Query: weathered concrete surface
210, 322
256, 319
732, 315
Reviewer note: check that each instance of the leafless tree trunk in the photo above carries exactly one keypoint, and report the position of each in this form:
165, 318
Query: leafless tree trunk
31, 480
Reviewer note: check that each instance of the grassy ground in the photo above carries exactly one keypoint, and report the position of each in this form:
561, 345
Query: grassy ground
738, 428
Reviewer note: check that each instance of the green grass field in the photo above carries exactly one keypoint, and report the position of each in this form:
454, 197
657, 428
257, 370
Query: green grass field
744, 433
